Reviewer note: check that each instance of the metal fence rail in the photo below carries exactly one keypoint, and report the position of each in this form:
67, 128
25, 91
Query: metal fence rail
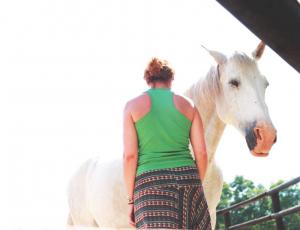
277, 215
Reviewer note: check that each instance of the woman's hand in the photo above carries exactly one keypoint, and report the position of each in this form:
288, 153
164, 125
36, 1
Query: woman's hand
131, 215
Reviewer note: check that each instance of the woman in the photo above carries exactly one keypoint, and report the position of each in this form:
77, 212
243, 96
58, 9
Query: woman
164, 182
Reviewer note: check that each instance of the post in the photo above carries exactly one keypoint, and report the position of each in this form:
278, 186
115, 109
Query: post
227, 220
277, 208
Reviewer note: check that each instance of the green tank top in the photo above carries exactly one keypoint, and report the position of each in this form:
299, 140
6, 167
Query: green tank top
163, 134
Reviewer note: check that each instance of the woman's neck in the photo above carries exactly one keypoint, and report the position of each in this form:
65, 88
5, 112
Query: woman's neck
160, 85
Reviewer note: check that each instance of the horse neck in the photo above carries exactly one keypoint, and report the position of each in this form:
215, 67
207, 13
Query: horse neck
213, 126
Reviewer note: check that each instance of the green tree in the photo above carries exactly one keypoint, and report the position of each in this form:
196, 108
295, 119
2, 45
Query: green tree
289, 197
226, 200
242, 189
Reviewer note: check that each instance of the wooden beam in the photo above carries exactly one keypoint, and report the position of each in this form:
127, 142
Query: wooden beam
276, 22
277, 208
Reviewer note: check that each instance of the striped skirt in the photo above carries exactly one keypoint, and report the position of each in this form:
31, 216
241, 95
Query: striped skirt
170, 198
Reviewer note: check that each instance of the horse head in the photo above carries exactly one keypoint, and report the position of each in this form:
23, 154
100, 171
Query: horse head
241, 99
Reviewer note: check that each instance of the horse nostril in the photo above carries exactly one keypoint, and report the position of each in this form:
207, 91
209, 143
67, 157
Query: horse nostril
275, 139
257, 133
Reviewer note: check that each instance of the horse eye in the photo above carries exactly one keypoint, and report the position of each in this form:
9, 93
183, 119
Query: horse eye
234, 83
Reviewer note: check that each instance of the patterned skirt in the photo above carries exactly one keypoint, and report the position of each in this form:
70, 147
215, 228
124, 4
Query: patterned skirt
170, 198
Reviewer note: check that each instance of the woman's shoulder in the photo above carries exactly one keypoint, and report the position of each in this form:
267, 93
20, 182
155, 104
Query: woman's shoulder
137, 101
185, 105
184, 100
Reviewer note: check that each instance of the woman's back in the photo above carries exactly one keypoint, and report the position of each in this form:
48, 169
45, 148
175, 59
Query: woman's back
163, 180
163, 121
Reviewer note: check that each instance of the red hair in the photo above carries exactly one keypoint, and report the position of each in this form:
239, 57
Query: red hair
158, 70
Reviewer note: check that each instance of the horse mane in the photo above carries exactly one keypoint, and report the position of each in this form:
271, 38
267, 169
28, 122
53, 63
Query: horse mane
205, 89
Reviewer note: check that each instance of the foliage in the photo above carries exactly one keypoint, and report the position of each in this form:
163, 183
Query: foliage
242, 189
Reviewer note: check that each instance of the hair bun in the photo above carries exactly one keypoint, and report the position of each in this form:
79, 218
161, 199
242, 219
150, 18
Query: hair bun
154, 67
158, 70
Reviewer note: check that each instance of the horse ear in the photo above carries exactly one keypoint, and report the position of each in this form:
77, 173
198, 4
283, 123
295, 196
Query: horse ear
219, 57
258, 52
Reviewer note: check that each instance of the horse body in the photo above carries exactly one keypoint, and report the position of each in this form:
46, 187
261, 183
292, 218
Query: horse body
232, 93
213, 128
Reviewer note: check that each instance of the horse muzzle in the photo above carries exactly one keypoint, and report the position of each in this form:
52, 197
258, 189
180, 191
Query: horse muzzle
260, 137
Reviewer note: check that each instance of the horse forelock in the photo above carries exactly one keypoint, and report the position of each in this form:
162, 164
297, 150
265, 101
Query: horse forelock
242, 60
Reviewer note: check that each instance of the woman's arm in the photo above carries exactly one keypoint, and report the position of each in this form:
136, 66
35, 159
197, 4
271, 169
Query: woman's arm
130, 150
198, 143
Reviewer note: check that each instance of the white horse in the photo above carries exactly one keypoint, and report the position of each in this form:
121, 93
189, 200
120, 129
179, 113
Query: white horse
232, 93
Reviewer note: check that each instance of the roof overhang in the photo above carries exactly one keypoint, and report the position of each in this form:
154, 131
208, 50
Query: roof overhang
276, 22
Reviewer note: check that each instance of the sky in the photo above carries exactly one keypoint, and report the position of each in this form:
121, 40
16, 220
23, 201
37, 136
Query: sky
68, 68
